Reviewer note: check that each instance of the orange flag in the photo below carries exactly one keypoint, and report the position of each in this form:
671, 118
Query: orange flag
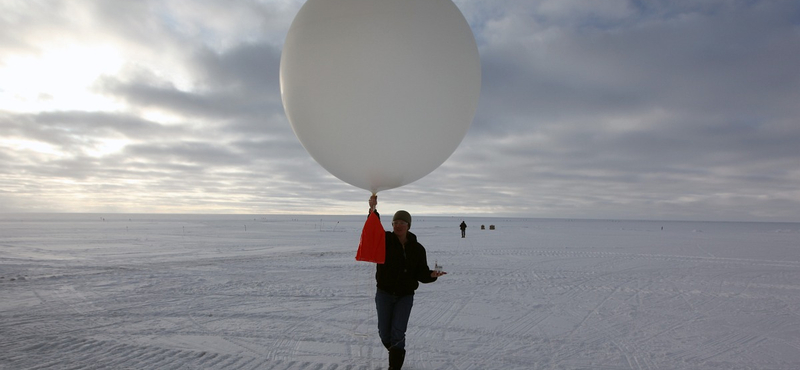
372, 246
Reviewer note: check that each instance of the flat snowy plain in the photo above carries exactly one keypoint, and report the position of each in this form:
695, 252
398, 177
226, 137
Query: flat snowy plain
114, 291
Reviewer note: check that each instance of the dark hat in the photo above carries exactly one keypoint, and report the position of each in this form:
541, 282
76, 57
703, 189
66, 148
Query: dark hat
402, 215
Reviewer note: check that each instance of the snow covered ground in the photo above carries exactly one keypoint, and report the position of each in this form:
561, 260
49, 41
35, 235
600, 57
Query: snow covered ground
284, 292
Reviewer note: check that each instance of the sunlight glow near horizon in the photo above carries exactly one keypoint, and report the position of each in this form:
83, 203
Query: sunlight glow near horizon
162, 116
58, 79
101, 148
35, 146
107, 146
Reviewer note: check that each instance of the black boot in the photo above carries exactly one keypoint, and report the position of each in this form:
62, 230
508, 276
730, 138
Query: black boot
396, 358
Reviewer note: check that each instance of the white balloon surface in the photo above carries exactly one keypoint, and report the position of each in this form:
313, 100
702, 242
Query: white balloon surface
380, 92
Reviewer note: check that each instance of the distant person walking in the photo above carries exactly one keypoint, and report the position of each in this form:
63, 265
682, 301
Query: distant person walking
406, 266
463, 229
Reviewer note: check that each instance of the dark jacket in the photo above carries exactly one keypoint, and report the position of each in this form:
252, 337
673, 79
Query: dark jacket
403, 270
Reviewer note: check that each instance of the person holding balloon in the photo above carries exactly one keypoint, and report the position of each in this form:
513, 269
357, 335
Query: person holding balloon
402, 87
405, 266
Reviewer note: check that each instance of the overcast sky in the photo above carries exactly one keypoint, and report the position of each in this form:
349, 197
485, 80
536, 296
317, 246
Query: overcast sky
612, 109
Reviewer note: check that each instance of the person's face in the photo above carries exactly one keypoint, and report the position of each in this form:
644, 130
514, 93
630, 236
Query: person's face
400, 227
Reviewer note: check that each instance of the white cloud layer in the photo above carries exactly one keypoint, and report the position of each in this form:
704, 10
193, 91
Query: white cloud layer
613, 109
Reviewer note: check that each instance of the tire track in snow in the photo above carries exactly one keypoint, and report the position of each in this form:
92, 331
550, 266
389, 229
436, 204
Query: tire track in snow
93, 354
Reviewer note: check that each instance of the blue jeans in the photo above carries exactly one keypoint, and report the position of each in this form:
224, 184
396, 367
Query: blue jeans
393, 314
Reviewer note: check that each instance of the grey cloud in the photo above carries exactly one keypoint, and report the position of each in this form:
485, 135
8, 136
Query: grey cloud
170, 98
251, 68
199, 154
240, 86
75, 131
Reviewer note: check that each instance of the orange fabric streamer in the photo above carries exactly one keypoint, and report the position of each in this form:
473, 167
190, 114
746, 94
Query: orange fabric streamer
372, 246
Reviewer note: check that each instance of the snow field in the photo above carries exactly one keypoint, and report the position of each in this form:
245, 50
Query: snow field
284, 292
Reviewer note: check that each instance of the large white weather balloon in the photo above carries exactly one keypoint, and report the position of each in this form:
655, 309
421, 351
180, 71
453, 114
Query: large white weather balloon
380, 92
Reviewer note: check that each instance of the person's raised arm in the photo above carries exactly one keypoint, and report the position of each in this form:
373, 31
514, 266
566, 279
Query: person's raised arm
373, 202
